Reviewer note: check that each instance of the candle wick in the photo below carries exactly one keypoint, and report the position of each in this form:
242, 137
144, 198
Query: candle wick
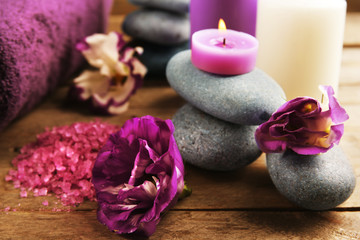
224, 42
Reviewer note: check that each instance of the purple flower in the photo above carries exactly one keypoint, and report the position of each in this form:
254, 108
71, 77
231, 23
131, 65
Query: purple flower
137, 175
302, 126
117, 76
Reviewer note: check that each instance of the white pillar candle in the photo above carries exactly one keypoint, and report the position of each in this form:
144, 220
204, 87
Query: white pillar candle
300, 43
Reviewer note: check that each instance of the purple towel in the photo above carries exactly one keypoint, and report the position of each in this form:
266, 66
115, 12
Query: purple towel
37, 47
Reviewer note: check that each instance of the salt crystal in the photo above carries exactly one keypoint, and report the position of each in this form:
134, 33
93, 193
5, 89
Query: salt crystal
23, 193
45, 203
60, 168
61, 161
43, 191
8, 178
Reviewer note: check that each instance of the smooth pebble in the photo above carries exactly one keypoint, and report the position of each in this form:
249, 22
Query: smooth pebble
181, 6
247, 99
316, 182
211, 143
157, 26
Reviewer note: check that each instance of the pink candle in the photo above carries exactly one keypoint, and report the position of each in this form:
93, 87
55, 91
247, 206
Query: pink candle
225, 52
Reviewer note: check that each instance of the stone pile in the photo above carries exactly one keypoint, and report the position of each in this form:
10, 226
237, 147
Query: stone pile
215, 130
162, 28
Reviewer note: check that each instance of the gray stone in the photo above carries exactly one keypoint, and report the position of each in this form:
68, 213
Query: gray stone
181, 6
316, 182
156, 57
157, 26
247, 99
211, 143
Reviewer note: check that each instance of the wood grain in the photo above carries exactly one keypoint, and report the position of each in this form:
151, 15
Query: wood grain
122, 7
241, 204
352, 29
353, 5
188, 225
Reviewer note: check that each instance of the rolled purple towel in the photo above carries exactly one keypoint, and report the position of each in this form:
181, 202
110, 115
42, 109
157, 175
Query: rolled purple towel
37, 47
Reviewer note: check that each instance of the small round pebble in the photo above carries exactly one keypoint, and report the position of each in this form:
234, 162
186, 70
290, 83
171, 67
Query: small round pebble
211, 143
181, 6
157, 26
247, 99
316, 182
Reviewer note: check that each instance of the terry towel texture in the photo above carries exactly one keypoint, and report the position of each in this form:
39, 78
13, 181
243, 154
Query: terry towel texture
37, 47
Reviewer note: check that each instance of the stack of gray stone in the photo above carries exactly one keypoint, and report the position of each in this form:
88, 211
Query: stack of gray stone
215, 130
162, 28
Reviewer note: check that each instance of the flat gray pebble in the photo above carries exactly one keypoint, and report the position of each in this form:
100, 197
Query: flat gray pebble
316, 182
247, 99
211, 143
157, 26
156, 57
181, 6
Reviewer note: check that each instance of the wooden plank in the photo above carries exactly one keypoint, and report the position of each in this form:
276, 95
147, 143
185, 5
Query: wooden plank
253, 185
248, 188
122, 7
115, 22
349, 75
188, 225
353, 5
158, 101
352, 31
242, 204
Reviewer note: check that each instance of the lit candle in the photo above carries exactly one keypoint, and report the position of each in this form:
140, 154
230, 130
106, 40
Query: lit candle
300, 43
240, 15
222, 51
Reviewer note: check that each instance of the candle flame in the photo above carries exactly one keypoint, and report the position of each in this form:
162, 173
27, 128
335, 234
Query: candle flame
222, 29
222, 25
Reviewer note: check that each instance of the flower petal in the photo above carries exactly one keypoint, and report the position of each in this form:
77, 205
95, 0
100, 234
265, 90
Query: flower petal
145, 151
338, 113
118, 77
92, 82
101, 52
301, 125
142, 161
336, 133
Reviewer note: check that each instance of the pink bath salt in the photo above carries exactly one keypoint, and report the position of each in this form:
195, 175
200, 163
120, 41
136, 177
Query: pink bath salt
60, 161
8, 178
7, 209
43, 191
23, 193
45, 203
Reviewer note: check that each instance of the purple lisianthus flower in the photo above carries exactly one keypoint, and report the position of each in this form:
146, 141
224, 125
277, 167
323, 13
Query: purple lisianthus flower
137, 175
117, 75
301, 125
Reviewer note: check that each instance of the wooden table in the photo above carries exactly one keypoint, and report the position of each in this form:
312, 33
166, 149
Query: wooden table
241, 204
